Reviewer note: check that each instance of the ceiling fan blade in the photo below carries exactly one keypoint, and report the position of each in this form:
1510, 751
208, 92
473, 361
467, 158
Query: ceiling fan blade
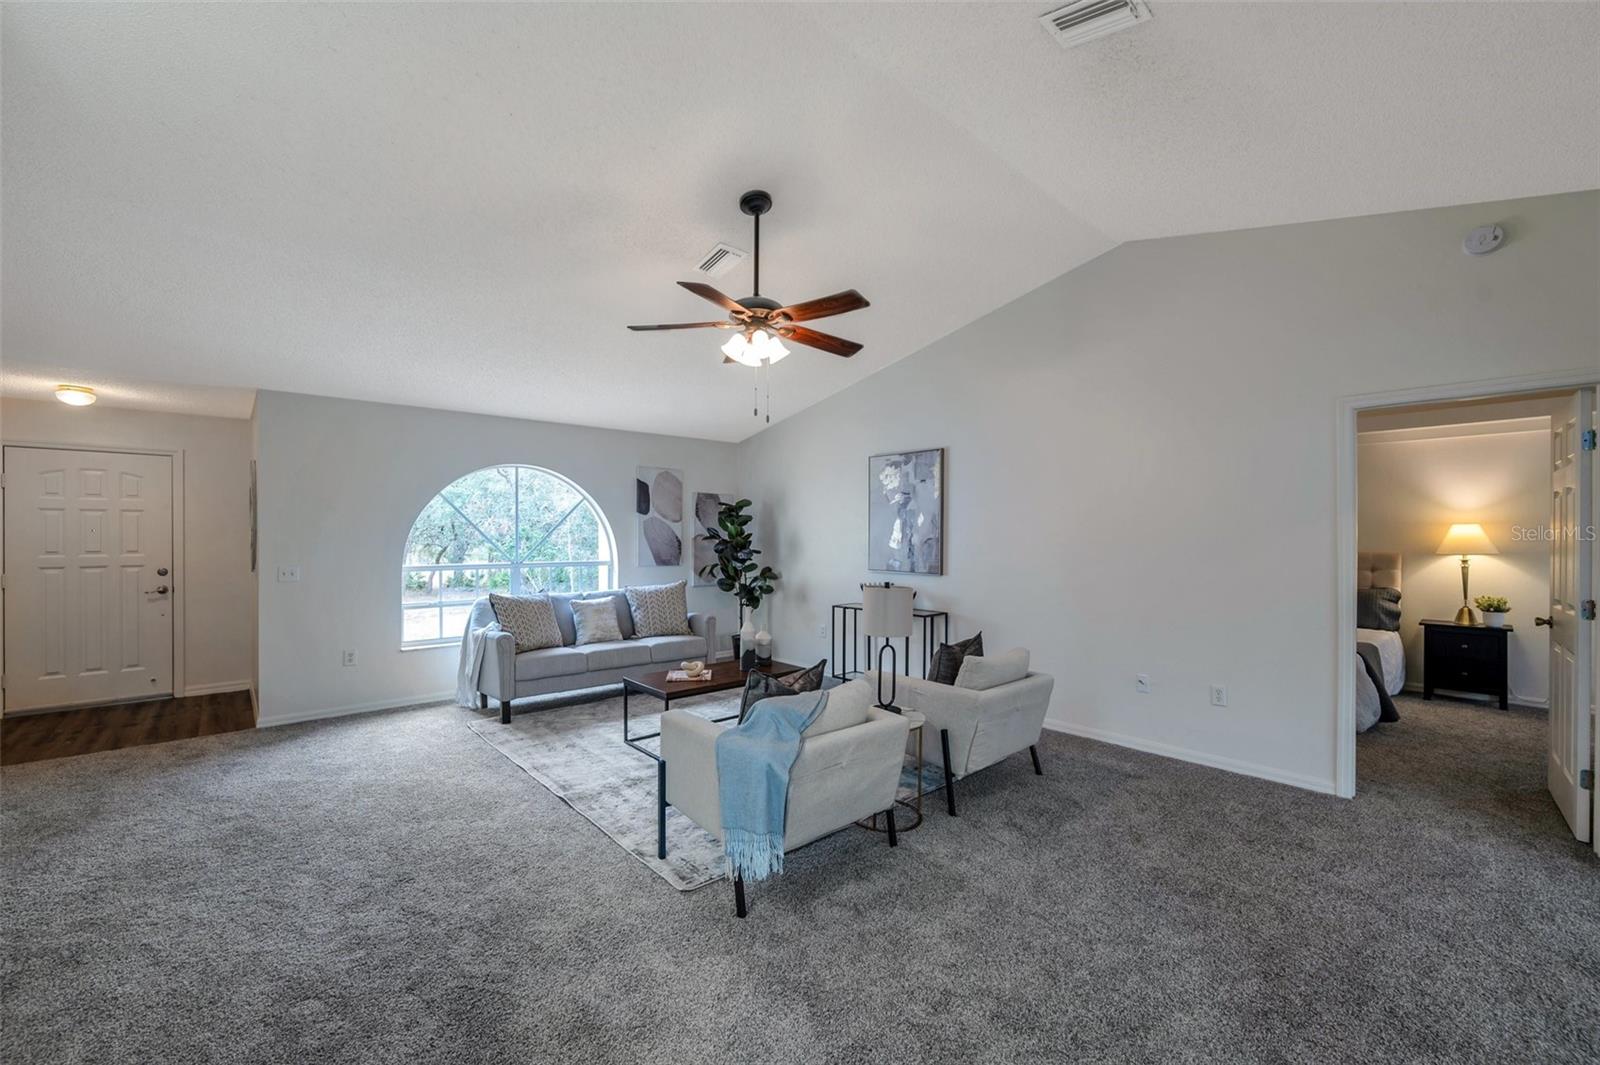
823, 307
813, 339
683, 325
706, 292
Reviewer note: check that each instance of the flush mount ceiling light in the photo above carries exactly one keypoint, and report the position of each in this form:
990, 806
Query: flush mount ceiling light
75, 395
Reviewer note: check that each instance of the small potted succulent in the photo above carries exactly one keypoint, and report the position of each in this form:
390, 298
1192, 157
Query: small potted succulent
1495, 608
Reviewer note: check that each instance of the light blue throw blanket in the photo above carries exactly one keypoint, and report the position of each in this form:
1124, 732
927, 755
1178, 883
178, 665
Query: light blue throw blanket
753, 763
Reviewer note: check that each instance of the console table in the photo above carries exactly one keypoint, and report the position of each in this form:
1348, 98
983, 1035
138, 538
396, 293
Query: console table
841, 616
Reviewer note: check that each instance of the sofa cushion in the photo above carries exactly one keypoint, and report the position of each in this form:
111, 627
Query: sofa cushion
550, 662
561, 603
980, 673
595, 621
614, 655
660, 609
946, 662
619, 601
530, 619
674, 648
847, 708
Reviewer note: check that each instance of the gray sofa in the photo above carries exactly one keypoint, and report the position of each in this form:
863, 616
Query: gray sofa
506, 675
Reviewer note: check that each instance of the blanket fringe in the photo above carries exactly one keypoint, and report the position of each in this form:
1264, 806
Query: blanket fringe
753, 855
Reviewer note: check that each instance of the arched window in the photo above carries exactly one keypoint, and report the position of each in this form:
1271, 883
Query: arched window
512, 529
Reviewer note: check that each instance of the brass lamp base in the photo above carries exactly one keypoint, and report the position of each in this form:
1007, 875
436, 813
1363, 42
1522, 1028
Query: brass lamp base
1466, 616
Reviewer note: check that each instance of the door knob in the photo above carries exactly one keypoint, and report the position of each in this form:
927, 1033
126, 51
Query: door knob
1543, 621
160, 589
162, 572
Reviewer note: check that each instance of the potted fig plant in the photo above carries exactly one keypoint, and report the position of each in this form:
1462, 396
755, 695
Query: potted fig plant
1495, 608
736, 569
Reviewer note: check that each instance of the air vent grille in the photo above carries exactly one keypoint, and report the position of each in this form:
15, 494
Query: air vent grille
720, 260
1084, 21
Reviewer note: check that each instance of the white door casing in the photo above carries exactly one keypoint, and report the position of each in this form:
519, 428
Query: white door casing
88, 616
1570, 746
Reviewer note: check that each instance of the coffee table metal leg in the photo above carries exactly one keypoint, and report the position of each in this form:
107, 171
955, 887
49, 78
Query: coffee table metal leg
661, 809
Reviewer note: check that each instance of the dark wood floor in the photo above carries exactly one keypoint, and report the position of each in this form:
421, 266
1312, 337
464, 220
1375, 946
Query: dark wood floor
34, 737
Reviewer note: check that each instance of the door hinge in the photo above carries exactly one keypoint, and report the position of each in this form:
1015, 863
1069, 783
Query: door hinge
1588, 440
1586, 612
1586, 779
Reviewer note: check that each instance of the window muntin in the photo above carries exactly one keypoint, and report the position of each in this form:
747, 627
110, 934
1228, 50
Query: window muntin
517, 530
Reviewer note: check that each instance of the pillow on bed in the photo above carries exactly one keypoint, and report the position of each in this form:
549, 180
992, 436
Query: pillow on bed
1378, 608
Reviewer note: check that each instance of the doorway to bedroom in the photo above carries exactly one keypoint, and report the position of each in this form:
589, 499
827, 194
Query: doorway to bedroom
1473, 686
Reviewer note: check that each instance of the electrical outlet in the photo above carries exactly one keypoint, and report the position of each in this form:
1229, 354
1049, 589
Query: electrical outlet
1219, 695
288, 574
349, 658
822, 632
1141, 682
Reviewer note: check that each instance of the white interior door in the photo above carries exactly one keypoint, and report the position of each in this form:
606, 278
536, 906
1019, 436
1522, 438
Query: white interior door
88, 577
1571, 612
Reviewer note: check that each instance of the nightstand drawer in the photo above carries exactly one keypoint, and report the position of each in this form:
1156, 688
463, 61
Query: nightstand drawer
1465, 646
1464, 674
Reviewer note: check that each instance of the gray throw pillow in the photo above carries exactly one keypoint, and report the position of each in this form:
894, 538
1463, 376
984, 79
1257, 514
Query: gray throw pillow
529, 619
946, 664
659, 609
759, 686
595, 621
1378, 608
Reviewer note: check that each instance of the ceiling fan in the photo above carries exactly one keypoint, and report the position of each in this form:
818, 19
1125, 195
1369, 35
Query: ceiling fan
763, 323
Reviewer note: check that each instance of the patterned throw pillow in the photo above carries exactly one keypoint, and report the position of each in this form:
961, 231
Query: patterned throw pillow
659, 609
759, 686
529, 619
595, 621
946, 664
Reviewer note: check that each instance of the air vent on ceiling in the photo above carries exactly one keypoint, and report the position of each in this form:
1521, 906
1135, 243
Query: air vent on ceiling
1083, 21
720, 260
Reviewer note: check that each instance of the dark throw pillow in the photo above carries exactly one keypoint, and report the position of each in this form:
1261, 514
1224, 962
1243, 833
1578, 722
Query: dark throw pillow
947, 660
1378, 608
759, 686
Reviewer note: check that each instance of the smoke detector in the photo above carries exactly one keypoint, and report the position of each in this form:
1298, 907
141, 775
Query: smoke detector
1483, 240
1086, 20
720, 260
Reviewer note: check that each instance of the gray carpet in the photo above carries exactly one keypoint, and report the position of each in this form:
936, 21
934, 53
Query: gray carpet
389, 888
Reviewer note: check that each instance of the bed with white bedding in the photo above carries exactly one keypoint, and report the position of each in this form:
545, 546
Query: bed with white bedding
1380, 655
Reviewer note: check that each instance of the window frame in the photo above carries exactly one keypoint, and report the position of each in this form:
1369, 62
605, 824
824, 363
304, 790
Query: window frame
514, 566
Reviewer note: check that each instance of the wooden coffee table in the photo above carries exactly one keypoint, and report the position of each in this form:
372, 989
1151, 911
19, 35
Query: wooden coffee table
725, 676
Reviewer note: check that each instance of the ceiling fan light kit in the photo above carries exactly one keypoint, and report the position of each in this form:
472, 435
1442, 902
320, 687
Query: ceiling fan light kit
763, 324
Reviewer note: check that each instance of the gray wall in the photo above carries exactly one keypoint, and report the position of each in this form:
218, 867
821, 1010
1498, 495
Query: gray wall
1141, 459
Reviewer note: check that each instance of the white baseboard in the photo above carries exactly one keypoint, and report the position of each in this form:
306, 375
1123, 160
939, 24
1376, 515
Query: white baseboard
295, 718
1413, 688
216, 688
1185, 754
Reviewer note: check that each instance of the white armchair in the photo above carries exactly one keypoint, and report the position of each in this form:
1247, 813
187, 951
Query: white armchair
848, 768
977, 728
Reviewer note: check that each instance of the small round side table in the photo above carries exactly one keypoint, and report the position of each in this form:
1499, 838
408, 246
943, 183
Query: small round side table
915, 722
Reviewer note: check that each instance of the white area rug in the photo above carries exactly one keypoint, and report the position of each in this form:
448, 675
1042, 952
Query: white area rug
576, 751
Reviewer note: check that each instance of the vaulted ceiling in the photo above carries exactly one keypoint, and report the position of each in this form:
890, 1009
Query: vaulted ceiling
462, 206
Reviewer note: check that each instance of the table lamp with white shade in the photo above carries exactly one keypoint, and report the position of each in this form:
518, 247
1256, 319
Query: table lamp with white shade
886, 613
1466, 539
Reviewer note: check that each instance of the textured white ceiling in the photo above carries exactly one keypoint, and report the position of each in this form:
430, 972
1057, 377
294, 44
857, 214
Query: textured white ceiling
463, 206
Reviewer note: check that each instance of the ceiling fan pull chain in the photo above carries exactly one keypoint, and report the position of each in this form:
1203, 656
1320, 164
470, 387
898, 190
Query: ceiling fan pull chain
767, 365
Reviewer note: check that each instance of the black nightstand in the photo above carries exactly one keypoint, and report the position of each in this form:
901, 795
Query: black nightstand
1464, 658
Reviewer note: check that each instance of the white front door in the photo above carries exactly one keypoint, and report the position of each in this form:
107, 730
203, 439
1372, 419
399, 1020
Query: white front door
88, 577
1571, 606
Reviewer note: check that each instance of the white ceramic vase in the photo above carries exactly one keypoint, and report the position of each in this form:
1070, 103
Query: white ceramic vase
1495, 619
